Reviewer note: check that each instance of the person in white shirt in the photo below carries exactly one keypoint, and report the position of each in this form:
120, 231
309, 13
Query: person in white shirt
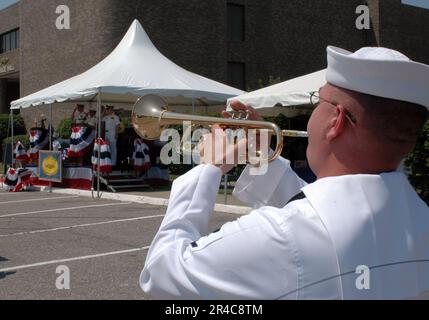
111, 122
359, 232
79, 115
92, 118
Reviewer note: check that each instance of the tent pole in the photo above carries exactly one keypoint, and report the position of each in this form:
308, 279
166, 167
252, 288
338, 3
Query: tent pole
50, 127
99, 146
12, 133
50, 140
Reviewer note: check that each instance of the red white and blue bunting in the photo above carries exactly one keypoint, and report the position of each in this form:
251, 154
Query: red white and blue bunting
81, 142
56, 146
16, 179
102, 147
20, 152
73, 178
39, 140
141, 156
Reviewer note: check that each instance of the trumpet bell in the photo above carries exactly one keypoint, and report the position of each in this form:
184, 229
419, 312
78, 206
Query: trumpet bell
146, 116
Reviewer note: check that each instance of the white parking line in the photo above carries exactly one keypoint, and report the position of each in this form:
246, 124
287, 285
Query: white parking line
79, 226
40, 264
65, 209
39, 199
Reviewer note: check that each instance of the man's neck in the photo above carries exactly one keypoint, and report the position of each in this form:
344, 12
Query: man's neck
343, 171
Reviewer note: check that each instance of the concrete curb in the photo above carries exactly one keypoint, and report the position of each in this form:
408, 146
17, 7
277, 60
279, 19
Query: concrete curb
138, 199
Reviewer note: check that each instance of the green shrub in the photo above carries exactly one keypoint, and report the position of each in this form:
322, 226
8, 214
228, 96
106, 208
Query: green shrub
25, 139
18, 127
6, 146
63, 130
418, 165
127, 122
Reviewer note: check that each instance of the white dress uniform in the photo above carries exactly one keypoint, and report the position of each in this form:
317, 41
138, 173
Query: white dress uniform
310, 248
92, 121
79, 117
346, 237
111, 123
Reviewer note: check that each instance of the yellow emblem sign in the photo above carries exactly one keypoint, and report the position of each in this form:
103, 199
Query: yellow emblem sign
50, 166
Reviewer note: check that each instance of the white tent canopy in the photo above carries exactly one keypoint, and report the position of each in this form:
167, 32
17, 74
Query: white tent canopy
293, 92
133, 69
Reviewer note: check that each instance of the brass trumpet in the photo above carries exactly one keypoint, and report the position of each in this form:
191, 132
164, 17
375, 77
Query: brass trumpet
150, 117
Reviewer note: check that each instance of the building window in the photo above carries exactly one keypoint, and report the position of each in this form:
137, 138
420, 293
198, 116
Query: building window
237, 75
236, 23
9, 41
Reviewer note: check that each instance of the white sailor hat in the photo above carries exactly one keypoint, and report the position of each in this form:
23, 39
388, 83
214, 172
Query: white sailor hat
380, 72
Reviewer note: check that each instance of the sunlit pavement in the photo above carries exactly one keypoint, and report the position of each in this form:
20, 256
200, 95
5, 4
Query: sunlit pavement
103, 243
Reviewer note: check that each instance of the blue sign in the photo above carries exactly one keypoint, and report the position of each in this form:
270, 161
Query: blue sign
50, 166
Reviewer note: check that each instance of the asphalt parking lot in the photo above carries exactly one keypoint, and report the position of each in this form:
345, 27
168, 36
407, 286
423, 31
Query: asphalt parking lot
103, 243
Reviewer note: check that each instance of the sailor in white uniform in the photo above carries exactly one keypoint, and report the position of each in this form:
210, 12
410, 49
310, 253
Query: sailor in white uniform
92, 118
111, 122
359, 232
79, 115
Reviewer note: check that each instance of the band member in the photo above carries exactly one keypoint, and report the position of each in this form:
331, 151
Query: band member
79, 115
112, 123
359, 232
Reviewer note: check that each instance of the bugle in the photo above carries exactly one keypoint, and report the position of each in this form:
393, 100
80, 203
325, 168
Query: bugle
150, 117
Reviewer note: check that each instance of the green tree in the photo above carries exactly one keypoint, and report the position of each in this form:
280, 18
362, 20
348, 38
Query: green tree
18, 127
6, 147
25, 140
64, 129
127, 122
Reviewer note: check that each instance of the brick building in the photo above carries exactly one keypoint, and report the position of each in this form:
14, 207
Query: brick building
237, 42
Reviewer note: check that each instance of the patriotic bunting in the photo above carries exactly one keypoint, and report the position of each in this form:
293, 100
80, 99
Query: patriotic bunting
20, 152
56, 146
105, 157
81, 142
16, 179
141, 156
39, 140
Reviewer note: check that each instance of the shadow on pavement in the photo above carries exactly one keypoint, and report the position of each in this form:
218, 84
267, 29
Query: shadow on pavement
5, 274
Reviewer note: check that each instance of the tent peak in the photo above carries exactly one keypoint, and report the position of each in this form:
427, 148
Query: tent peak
136, 36
134, 68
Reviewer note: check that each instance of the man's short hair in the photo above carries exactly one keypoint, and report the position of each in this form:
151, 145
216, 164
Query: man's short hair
394, 122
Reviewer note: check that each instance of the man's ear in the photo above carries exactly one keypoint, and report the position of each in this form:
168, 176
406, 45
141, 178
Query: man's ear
337, 123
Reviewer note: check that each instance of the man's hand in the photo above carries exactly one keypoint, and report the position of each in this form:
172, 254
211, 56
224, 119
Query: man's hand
215, 149
228, 156
237, 106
